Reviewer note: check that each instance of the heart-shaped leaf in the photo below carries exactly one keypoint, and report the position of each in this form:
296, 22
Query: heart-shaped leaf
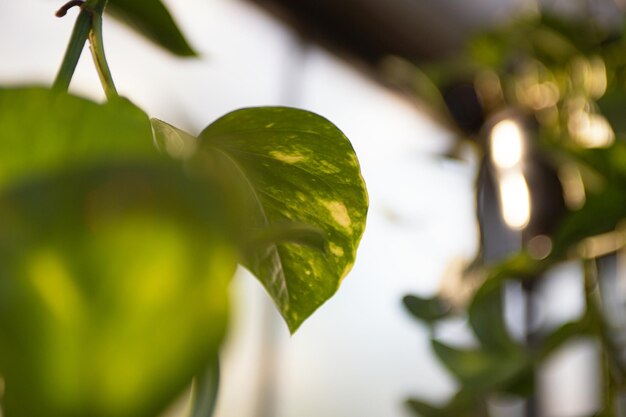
152, 19
300, 169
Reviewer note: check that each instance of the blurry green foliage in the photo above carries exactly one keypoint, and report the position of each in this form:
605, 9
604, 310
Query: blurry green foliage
566, 80
151, 19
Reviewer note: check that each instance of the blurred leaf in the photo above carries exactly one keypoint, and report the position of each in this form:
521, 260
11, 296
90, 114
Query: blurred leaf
562, 335
151, 19
426, 309
424, 409
172, 140
486, 316
479, 369
114, 263
601, 213
462, 404
612, 105
44, 132
119, 279
299, 168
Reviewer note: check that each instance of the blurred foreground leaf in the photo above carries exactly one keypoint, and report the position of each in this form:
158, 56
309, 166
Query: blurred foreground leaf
299, 169
42, 132
114, 265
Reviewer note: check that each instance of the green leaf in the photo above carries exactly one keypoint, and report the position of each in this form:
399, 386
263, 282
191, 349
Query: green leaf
172, 140
426, 309
601, 213
462, 404
43, 132
114, 264
486, 317
299, 168
424, 409
302, 234
611, 105
151, 19
480, 369
563, 334
119, 279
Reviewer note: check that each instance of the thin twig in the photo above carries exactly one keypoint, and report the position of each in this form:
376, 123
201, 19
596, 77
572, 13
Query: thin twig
67, 6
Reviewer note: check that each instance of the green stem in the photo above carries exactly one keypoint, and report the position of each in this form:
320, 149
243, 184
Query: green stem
88, 26
607, 358
99, 59
207, 388
73, 52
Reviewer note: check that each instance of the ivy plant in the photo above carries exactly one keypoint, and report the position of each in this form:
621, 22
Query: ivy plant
119, 234
563, 80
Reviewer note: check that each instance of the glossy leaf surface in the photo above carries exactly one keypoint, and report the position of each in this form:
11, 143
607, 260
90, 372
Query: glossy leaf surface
151, 19
299, 169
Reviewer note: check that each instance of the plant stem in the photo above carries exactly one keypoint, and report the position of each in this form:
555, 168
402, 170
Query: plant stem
207, 388
73, 52
99, 59
594, 311
88, 26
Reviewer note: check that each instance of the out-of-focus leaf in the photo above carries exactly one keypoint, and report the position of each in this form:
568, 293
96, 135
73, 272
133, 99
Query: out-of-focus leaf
486, 316
486, 308
609, 162
152, 19
424, 409
114, 264
426, 309
172, 140
462, 404
479, 369
562, 335
601, 213
42, 132
612, 105
299, 168
113, 291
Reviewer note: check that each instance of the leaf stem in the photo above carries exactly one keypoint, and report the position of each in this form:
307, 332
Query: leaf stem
607, 358
207, 388
73, 52
88, 26
97, 52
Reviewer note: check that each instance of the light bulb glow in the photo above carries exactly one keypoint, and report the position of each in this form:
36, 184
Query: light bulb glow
514, 200
507, 144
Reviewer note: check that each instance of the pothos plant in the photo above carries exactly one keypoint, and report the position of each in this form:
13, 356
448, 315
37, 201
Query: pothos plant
563, 82
120, 233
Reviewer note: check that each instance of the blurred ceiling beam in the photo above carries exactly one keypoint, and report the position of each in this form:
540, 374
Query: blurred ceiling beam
417, 30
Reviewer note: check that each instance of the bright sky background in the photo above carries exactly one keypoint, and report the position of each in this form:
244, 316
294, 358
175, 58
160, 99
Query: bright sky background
359, 355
